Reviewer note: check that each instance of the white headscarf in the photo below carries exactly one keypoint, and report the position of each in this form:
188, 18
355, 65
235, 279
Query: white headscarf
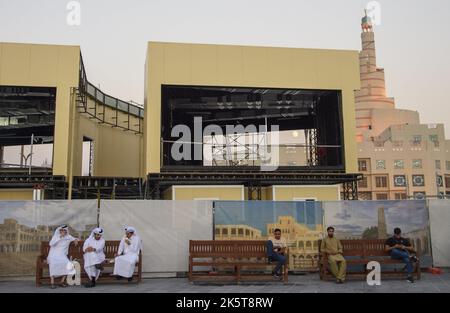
96, 231
57, 236
130, 229
56, 233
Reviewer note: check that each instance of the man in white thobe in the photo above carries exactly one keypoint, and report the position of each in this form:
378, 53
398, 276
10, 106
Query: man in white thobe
57, 257
128, 254
94, 255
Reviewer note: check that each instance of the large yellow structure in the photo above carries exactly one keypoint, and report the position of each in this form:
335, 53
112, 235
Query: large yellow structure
117, 153
126, 139
244, 66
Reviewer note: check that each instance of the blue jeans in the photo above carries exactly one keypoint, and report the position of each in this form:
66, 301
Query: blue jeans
404, 256
279, 258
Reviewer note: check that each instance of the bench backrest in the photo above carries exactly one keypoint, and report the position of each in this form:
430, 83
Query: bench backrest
227, 249
111, 247
363, 247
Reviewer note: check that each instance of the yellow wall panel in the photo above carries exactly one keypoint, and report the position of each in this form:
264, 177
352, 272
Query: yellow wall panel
42, 69
15, 64
204, 64
16, 194
229, 66
209, 192
320, 193
177, 63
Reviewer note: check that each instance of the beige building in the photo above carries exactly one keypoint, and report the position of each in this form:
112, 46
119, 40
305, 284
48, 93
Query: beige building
236, 232
15, 237
399, 157
301, 240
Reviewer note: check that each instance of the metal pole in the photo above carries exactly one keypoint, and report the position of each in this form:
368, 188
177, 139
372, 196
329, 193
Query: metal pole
437, 185
21, 156
407, 187
31, 153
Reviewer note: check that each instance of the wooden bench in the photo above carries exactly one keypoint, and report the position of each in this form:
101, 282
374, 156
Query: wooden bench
234, 256
76, 253
362, 251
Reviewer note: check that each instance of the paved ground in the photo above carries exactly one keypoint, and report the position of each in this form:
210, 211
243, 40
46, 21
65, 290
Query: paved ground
309, 283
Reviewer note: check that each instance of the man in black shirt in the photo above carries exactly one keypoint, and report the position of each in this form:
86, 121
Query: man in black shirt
400, 248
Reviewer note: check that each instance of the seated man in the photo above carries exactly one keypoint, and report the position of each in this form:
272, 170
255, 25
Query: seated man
400, 248
331, 247
128, 254
57, 257
94, 257
275, 252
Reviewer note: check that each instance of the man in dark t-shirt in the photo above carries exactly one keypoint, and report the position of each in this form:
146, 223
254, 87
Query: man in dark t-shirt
400, 248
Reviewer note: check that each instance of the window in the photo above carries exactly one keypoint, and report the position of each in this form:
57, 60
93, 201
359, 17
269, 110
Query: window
382, 196
381, 164
217, 231
400, 196
381, 181
225, 231
417, 140
447, 165
418, 180
417, 163
240, 232
400, 181
437, 164
399, 164
433, 138
362, 165
420, 195
447, 181
363, 183
364, 195
233, 232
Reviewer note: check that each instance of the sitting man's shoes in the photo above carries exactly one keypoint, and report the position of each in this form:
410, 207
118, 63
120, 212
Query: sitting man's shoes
269, 260
410, 279
52, 286
339, 281
276, 275
413, 258
130, 279
118, 277
89, 285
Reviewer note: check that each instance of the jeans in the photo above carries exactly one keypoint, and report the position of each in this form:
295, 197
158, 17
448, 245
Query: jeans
279, 258
404, 256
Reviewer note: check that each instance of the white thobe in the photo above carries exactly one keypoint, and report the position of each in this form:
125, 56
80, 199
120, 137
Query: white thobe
57, 257
94, 257
124, 264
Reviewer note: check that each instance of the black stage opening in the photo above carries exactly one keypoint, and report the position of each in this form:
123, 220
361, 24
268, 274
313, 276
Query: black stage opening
310, 135
26, 113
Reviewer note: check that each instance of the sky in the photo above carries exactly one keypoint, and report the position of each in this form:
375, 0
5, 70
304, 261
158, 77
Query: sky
355, 217
412, 38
